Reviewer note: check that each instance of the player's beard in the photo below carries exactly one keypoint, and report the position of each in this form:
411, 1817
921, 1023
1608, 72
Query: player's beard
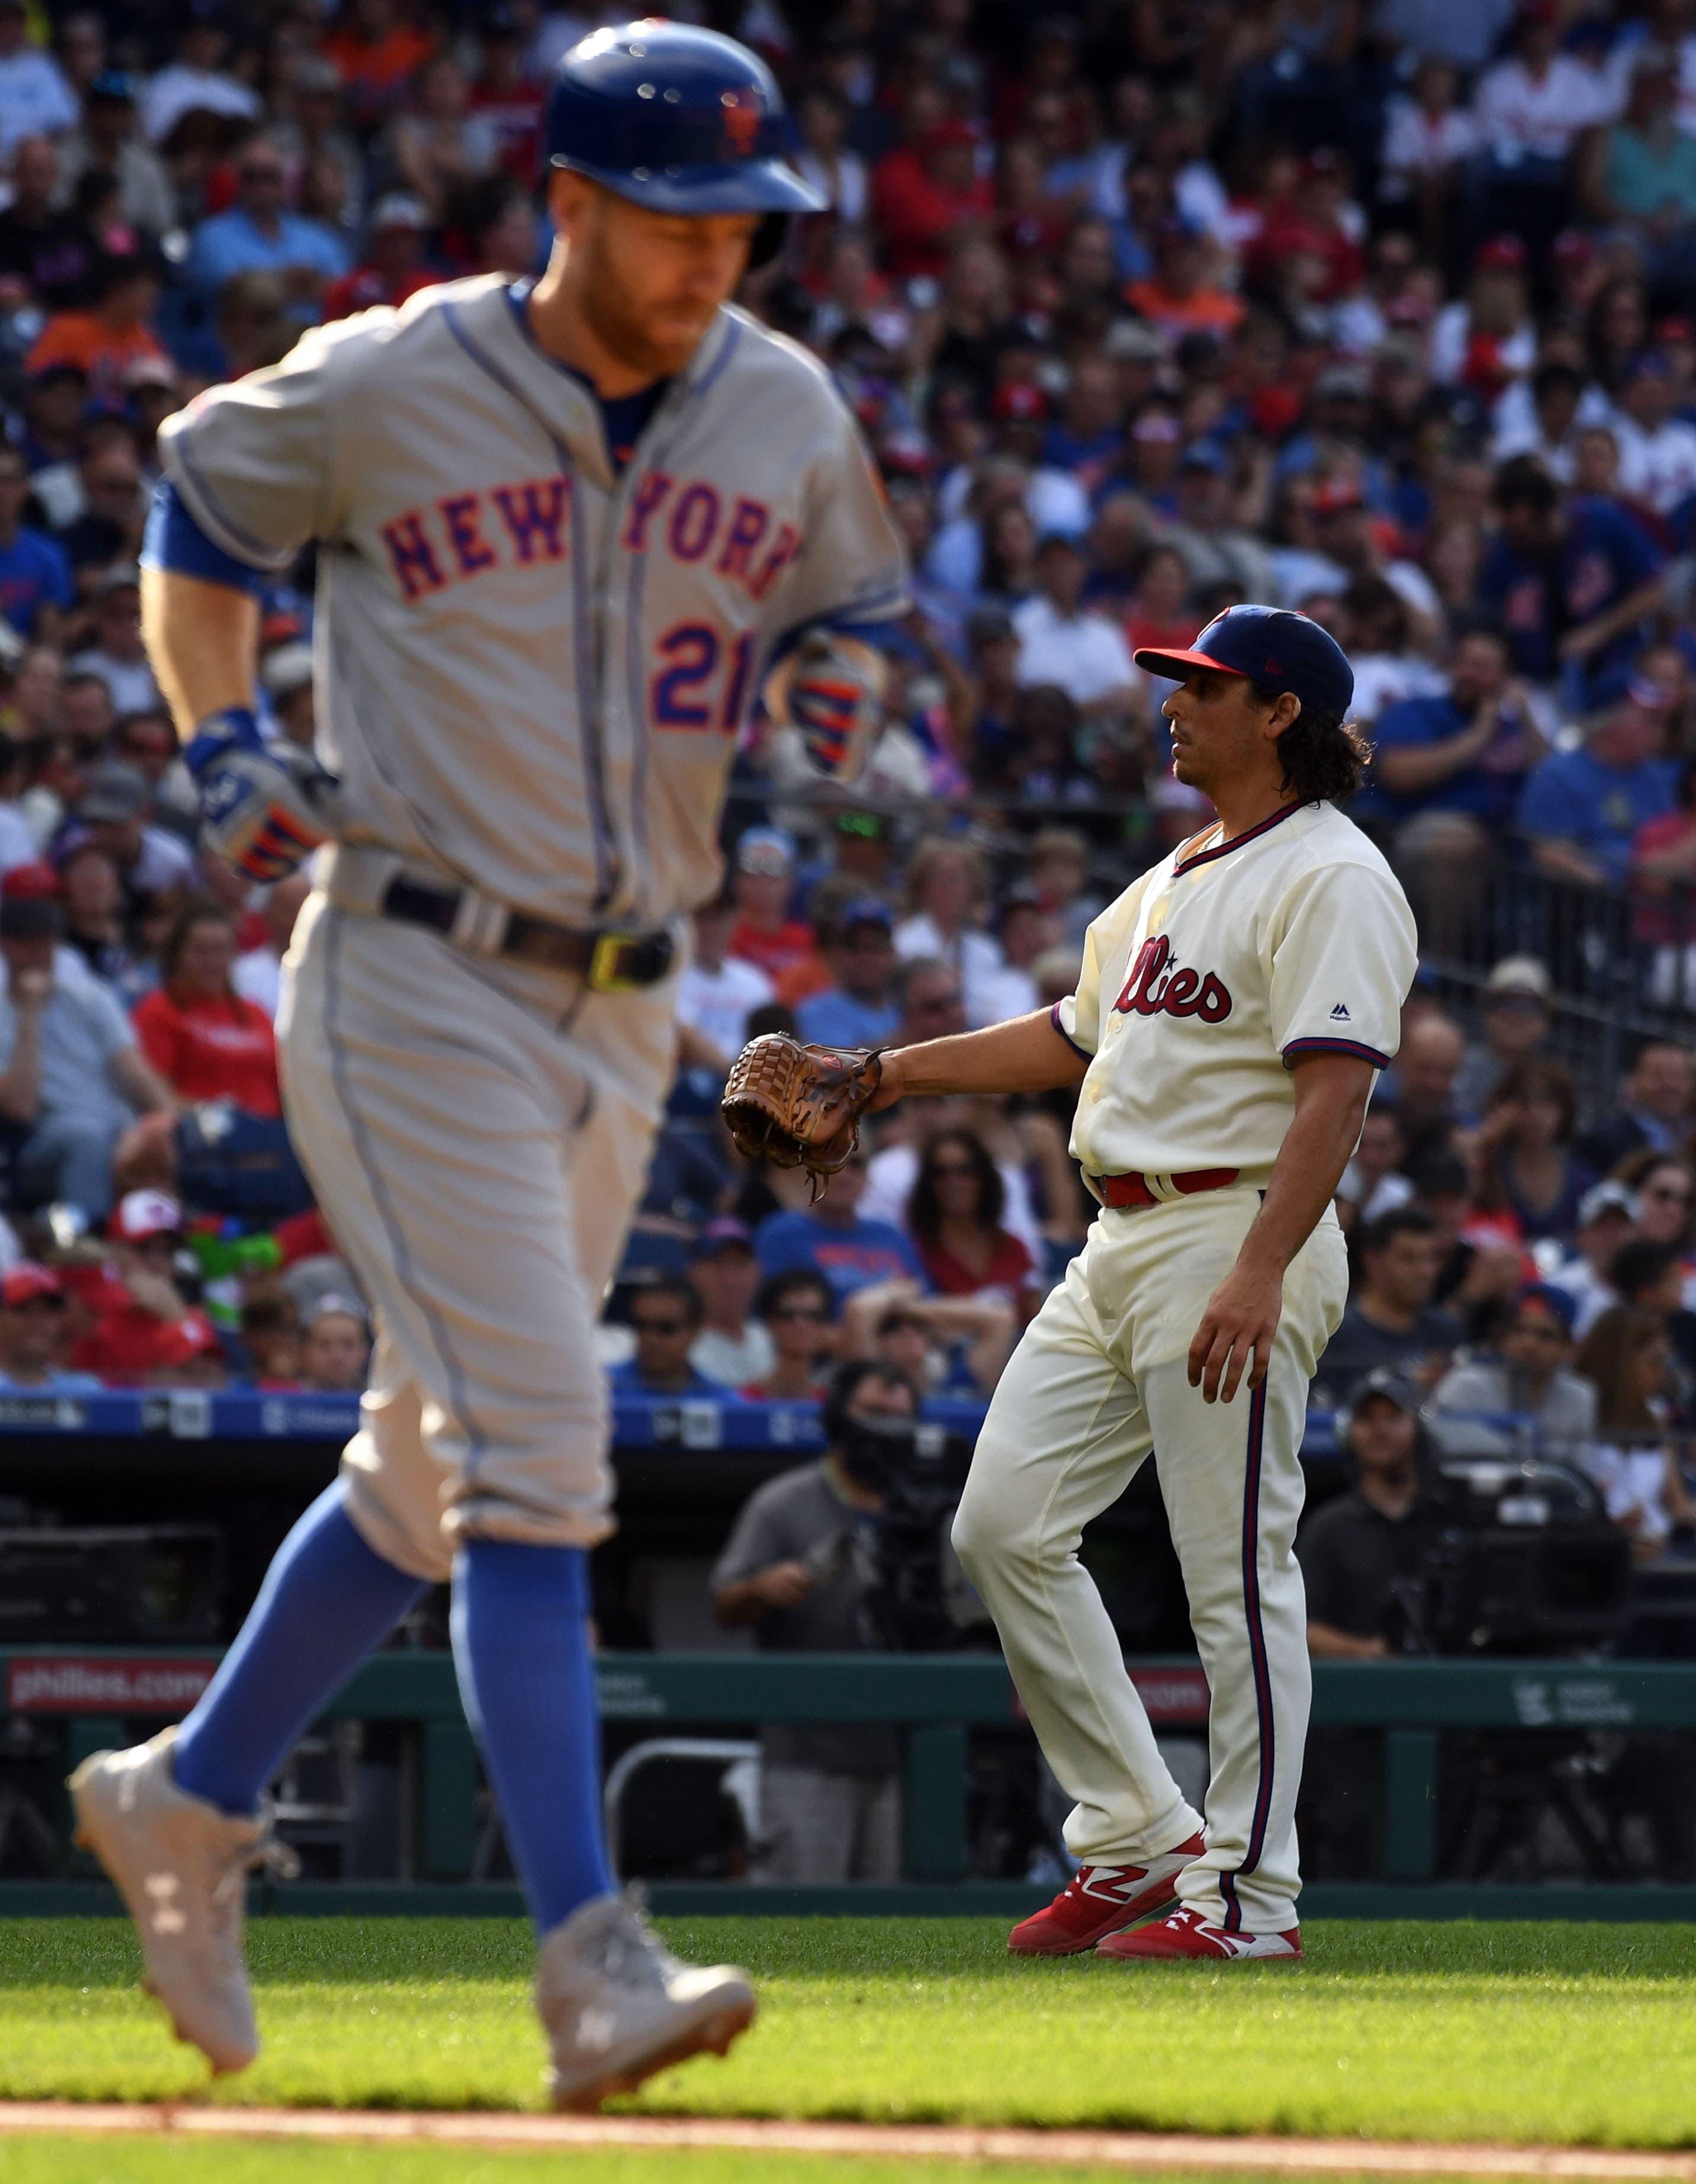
625, 329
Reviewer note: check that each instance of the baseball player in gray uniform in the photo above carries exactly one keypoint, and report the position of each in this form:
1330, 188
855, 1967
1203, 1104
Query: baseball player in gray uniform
565, 531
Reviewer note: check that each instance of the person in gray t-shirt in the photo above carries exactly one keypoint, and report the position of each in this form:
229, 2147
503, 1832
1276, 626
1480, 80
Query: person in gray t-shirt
71, 1073
793, 1569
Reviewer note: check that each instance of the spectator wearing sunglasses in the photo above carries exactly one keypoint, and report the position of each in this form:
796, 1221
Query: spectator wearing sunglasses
666, 1317
795, 1311
955, 1217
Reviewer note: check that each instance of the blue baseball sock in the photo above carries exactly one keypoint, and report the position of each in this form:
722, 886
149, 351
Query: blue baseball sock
327, 1600
521, 1644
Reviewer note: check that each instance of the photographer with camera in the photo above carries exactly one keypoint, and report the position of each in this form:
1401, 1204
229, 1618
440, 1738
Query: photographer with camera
1361, 1550
799, 1567
1364, 1556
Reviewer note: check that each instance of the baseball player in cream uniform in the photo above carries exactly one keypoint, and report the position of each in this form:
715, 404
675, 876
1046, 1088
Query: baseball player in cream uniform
1233, 1007
565, 530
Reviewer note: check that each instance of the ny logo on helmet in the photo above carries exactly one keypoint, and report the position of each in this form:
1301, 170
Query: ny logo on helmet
741, 121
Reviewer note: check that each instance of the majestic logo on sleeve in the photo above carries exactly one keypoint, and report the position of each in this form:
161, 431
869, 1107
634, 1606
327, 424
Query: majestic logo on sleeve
1158, 987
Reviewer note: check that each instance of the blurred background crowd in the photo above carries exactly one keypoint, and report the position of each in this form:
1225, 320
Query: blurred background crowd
1383, 310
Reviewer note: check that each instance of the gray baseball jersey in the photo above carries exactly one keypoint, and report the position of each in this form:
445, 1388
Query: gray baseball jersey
531, 671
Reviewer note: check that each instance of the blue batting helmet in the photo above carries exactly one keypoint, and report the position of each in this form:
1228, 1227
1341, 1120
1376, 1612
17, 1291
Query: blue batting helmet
678, 120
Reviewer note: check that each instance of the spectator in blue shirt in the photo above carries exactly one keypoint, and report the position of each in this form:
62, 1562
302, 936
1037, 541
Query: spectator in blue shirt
1580, 808
856, 1010
35, 586
666, 1318
1571, 585
830, 1239
1467, 751
259, 235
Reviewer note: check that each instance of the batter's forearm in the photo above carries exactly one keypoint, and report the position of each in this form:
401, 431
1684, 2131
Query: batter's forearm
203, 641
1026, 1054
1331, 1093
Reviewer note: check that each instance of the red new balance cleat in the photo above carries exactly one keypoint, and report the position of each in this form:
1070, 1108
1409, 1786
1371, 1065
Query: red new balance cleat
1187, 1934
1103, 1899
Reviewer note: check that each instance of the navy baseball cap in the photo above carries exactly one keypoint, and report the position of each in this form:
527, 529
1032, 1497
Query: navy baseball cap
1271, 645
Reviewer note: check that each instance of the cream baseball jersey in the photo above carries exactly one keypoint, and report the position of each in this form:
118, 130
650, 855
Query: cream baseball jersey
1212, 972
531, 667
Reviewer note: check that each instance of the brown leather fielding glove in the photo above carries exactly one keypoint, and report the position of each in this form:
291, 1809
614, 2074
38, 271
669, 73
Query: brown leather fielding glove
798, 1107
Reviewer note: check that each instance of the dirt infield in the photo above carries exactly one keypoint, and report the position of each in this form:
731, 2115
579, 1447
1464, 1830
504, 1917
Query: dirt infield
1129, 2151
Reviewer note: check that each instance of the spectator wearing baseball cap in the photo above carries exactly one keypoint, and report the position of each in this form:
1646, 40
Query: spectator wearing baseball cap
1523, 1369
72, 1076
335, 1346
112, 813
733, 1348
762, 883
1606, 1220
1360, 1548
856, 1009
32, 1333
394, 265
146, 1334
1517, 1015
1361, 1554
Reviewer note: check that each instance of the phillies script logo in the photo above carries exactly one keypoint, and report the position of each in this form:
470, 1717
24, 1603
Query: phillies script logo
1158, 987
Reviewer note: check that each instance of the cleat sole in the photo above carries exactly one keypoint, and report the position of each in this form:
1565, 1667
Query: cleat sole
717, 2035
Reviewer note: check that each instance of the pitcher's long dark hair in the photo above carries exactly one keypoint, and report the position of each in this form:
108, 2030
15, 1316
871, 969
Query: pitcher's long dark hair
1324, 754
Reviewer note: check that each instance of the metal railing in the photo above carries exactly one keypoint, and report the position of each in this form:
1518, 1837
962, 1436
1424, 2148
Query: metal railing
1622, 960
103, 1697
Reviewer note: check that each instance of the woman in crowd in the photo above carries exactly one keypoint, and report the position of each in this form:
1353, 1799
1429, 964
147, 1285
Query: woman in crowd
1158, 614
955, 1215
197, 1032
1627, 1356
946, 891
1527, 1166
795, 1307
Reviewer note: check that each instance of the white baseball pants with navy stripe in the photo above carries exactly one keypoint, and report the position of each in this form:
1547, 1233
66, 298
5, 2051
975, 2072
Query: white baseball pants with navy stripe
477, 1132
1098, 1382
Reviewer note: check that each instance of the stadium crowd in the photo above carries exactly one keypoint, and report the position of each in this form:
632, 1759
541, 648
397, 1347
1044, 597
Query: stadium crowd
1382, 310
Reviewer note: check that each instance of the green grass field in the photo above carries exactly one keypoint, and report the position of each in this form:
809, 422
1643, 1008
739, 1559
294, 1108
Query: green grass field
68, 2160
1579, 2034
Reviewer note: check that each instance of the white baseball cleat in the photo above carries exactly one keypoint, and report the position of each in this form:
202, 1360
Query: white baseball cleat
617, 2006
181, 1866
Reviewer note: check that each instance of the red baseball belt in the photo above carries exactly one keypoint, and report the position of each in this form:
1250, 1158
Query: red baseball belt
1122, 1192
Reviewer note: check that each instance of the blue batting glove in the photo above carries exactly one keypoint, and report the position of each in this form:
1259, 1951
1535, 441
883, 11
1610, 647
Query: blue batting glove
265, 806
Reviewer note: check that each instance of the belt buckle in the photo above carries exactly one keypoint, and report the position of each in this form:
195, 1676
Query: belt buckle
622, 962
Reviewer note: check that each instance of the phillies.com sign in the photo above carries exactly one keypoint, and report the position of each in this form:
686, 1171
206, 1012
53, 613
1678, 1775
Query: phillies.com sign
71, 1683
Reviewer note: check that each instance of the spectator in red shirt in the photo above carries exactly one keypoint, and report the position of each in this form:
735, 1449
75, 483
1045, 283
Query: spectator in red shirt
923, 191
202, 1037
392, 268
764, 931
144, 1333
955, 1215
1158, 614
